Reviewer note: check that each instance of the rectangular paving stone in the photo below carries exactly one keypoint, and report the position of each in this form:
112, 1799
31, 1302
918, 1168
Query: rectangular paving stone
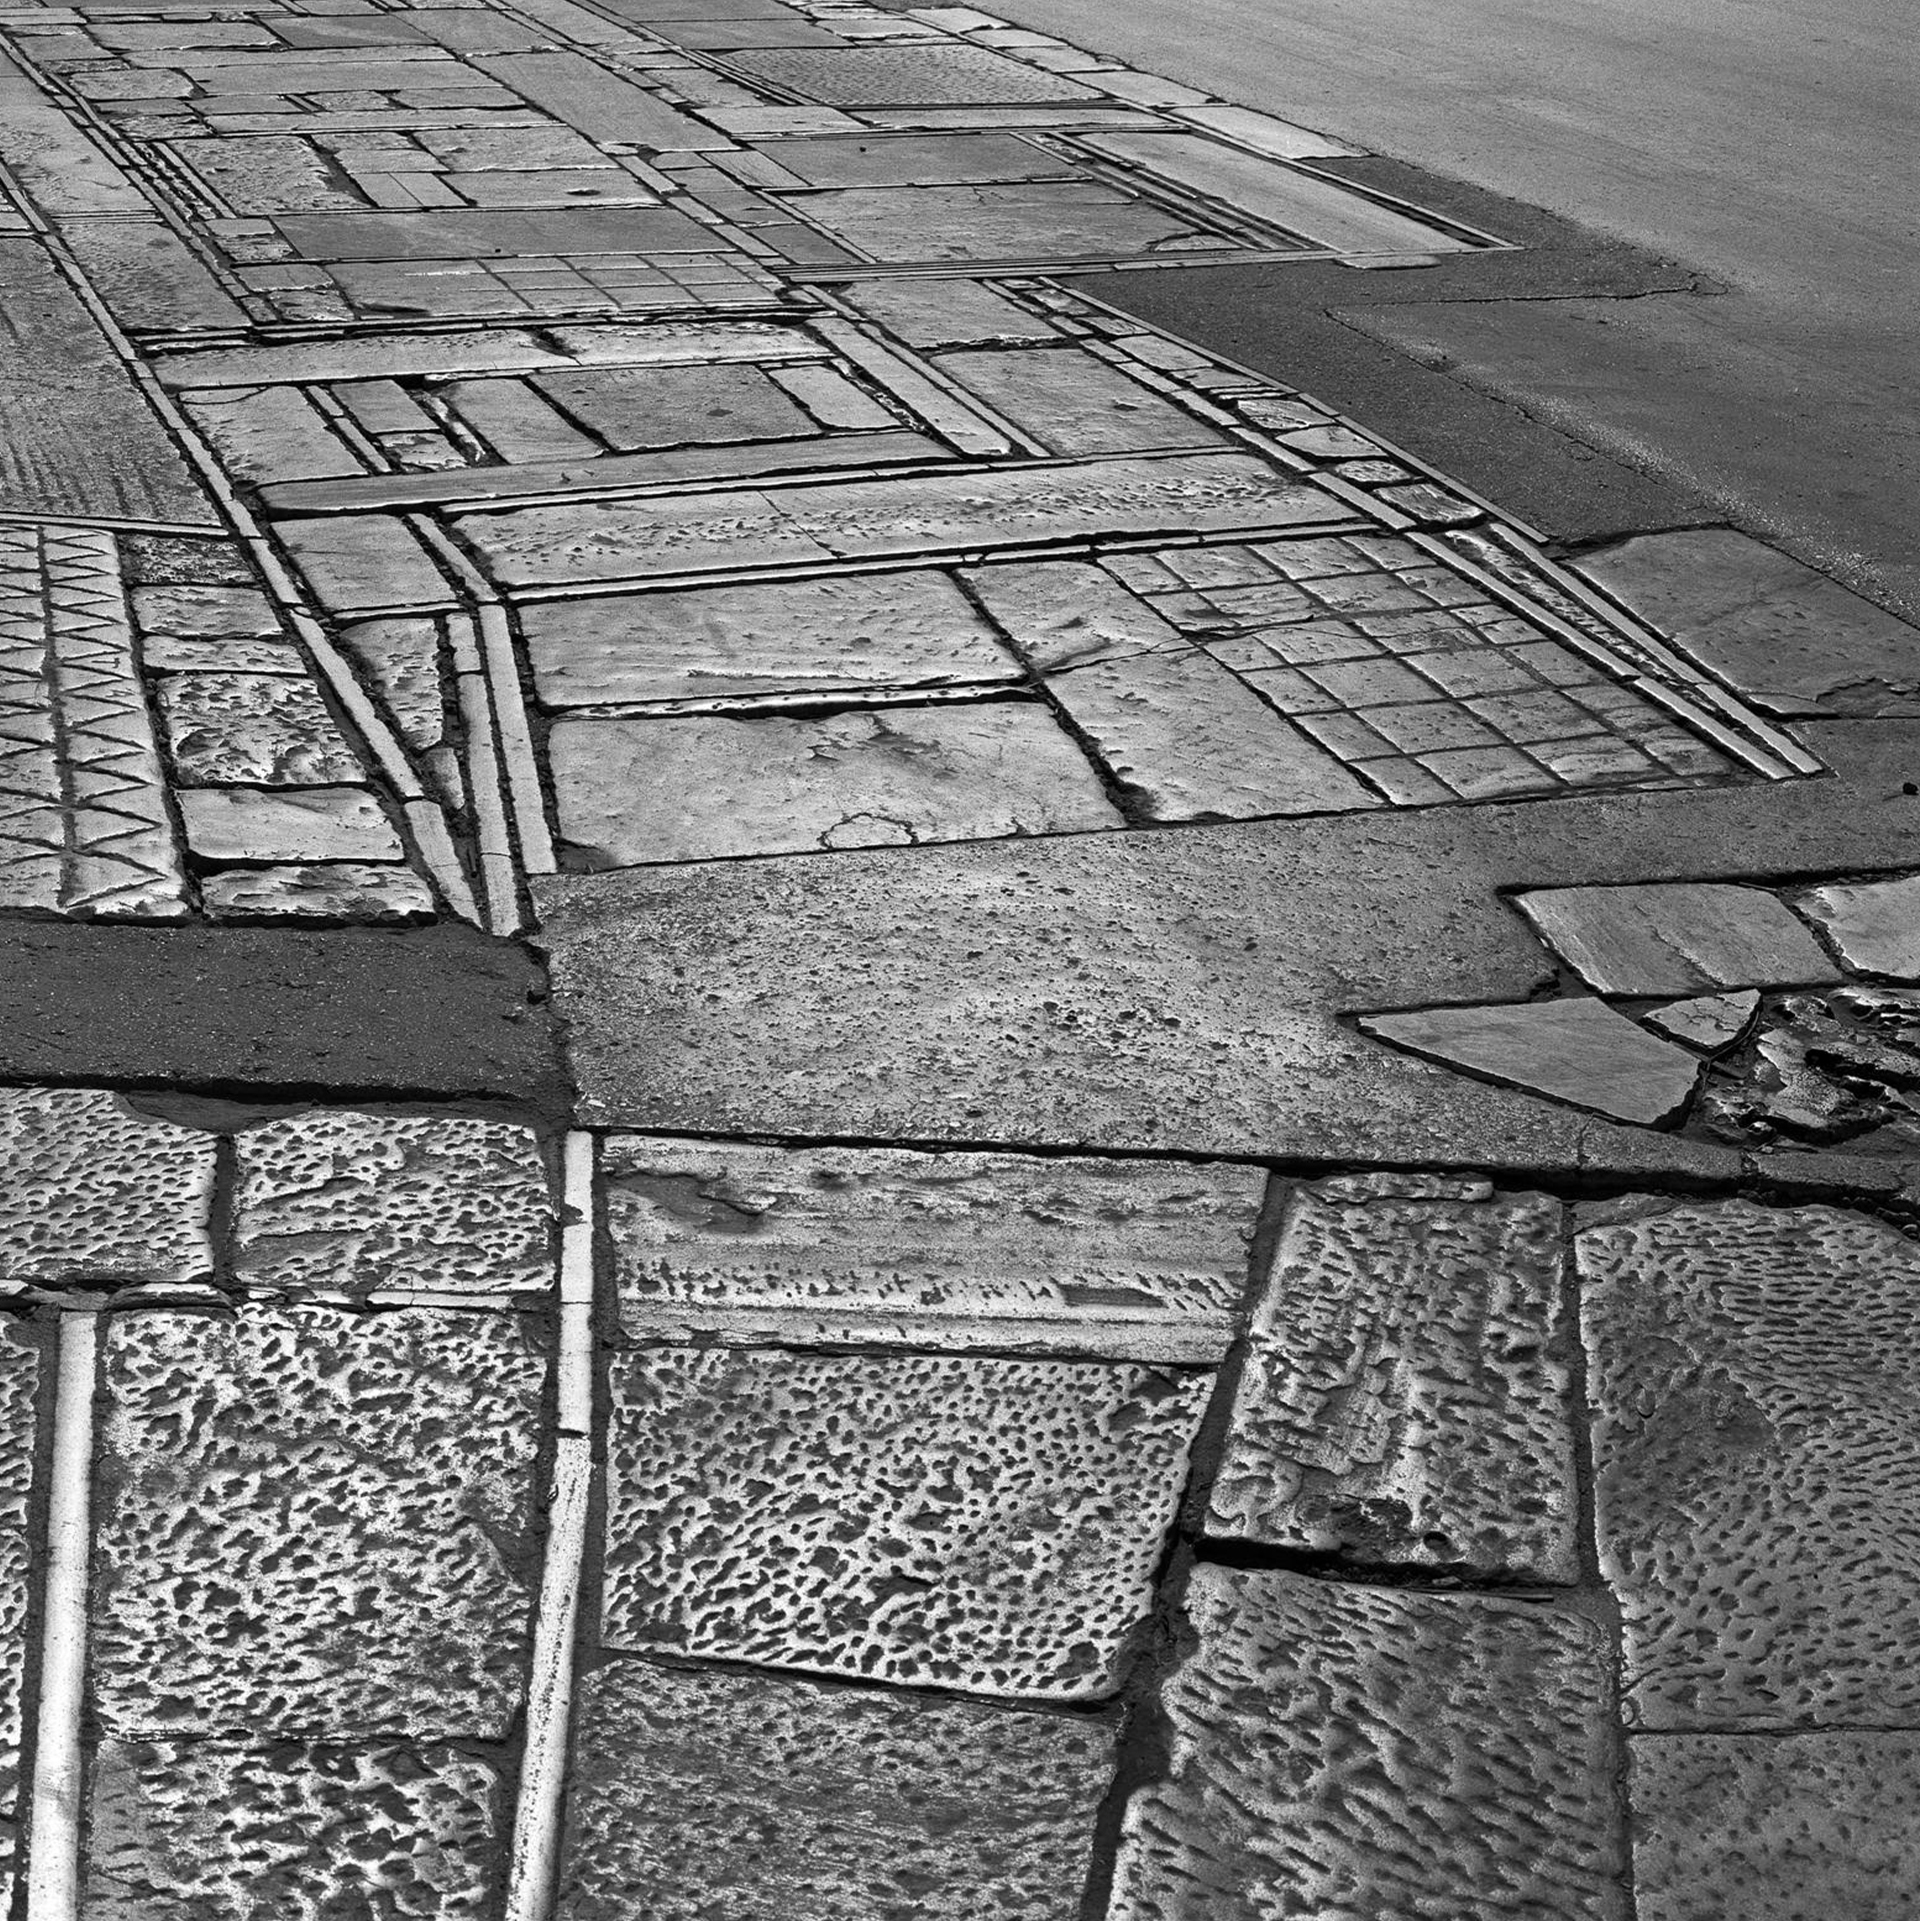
515, 422
265, 730
290, 824
148, 276
1127, 1260
947, 313
988, 1526
478, 233
1756, 1463
310, 1523
270, 434
364, 563
1062, 614
1073, 403
599, 104
1407, 1392
1358, 1751
906, 76
708, 787
889, 160
335, 1199
321, 890
1874, 926
843, 633
631, 407
834, 1803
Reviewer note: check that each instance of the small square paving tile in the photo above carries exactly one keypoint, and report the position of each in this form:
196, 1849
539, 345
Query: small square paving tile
991, 1526
696, 1794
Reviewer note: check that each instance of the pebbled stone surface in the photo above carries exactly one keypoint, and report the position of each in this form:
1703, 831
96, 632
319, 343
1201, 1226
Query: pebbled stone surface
1756, 1462
1407, 1390
324, 891
1357, 1754
696, 1794
990, 1526
1130, 1260
261, 729
19, 1386
309, 1523
99, 1194
295, 1830
1812, 1825
338, 1199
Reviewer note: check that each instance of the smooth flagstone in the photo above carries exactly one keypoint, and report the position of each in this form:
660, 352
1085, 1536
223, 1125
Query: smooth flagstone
1406, 1396
100, 1193
1686, 938
708, 787
263, 729
1579, 1051
947, 313
293, 824
1124, 1259
1073, 403
1775, 1829
274, 1482
1068, 613
148, 277
1874, 926
833, 1803
364, 564
336, 890
635, 407
888, 161
1710, 1023
483, 233
270, 434
907, 76
845, 633
989, 1526
1354, 1751
1756, 1462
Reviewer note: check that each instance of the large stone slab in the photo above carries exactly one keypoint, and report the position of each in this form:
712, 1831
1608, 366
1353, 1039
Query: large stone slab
1062, 614
1874, 926
989, 1526
632, 407
1757, 1462
1355, 1751
1133, 1260
477, 233
836, 1804
1407, 1392
1074, 403
907, 76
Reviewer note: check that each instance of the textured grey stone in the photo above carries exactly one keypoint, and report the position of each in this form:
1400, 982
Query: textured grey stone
337, 1199
778, 1798
1686, 938
264, 729
364, 564
632, 407
270, 433
293, 824
1406, 1396
991, 1526
1874, 925
907, 76
1065, 613
309, 1521
323, 891
482, 233
1128, 1259
947, 313
1074, 403
1710, 1023
1757, 1470
99, 1193
1376, 1756
19, 1386
888, 160
192, 611
1775, 1829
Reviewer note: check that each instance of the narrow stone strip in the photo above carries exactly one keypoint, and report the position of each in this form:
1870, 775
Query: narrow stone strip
498, 881
516, 739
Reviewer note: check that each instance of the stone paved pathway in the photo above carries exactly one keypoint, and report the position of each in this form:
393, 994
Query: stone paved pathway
1236, 1238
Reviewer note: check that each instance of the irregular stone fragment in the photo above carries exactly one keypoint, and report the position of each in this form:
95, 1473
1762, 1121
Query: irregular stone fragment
1756, 1462
1406, 1394
1073, 403
326, 891
1066, 613
99, 1194
1131, 1260
310, 1521
267, 730
1578, 1051
713, 786
1364, 1752
832, 1803
1874, 925
985, 1525
303, 1831
294, 824
1775, 1829
1681, 937
336, 1199
1709, 1024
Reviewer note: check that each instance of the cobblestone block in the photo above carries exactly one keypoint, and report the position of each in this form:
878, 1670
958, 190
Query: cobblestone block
1406, 1396
366, 1201
699, 1793
985, 1525
1376, 1756
1756, 1462
310, 1522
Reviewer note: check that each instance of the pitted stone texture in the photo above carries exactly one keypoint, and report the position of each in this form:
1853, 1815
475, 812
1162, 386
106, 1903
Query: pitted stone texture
1358, 1754
696, 1794
325, 891
912, 76
986, 1525
98, 1193
309, 1521
368, 1201
19, 1383
257, 729
1756, 1462
1874, 926
1406, 1396
240, 1831
1134, 1260
1775, 1829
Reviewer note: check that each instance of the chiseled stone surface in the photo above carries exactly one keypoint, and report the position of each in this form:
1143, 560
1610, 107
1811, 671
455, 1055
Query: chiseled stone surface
261, 729
1874, 925
987, 1525
325, 890
696, 1794
1689, 937
1134, 1260
1791, 1829
339, 1199
309, 1521
302, 1831
97, 1192
1757, 1463
1407, 1390
19, 1386
1376, 1755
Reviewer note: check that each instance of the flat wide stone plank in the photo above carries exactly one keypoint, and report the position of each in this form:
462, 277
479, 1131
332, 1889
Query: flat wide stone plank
599, 104
1075, 403
481, 233
1874, 926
